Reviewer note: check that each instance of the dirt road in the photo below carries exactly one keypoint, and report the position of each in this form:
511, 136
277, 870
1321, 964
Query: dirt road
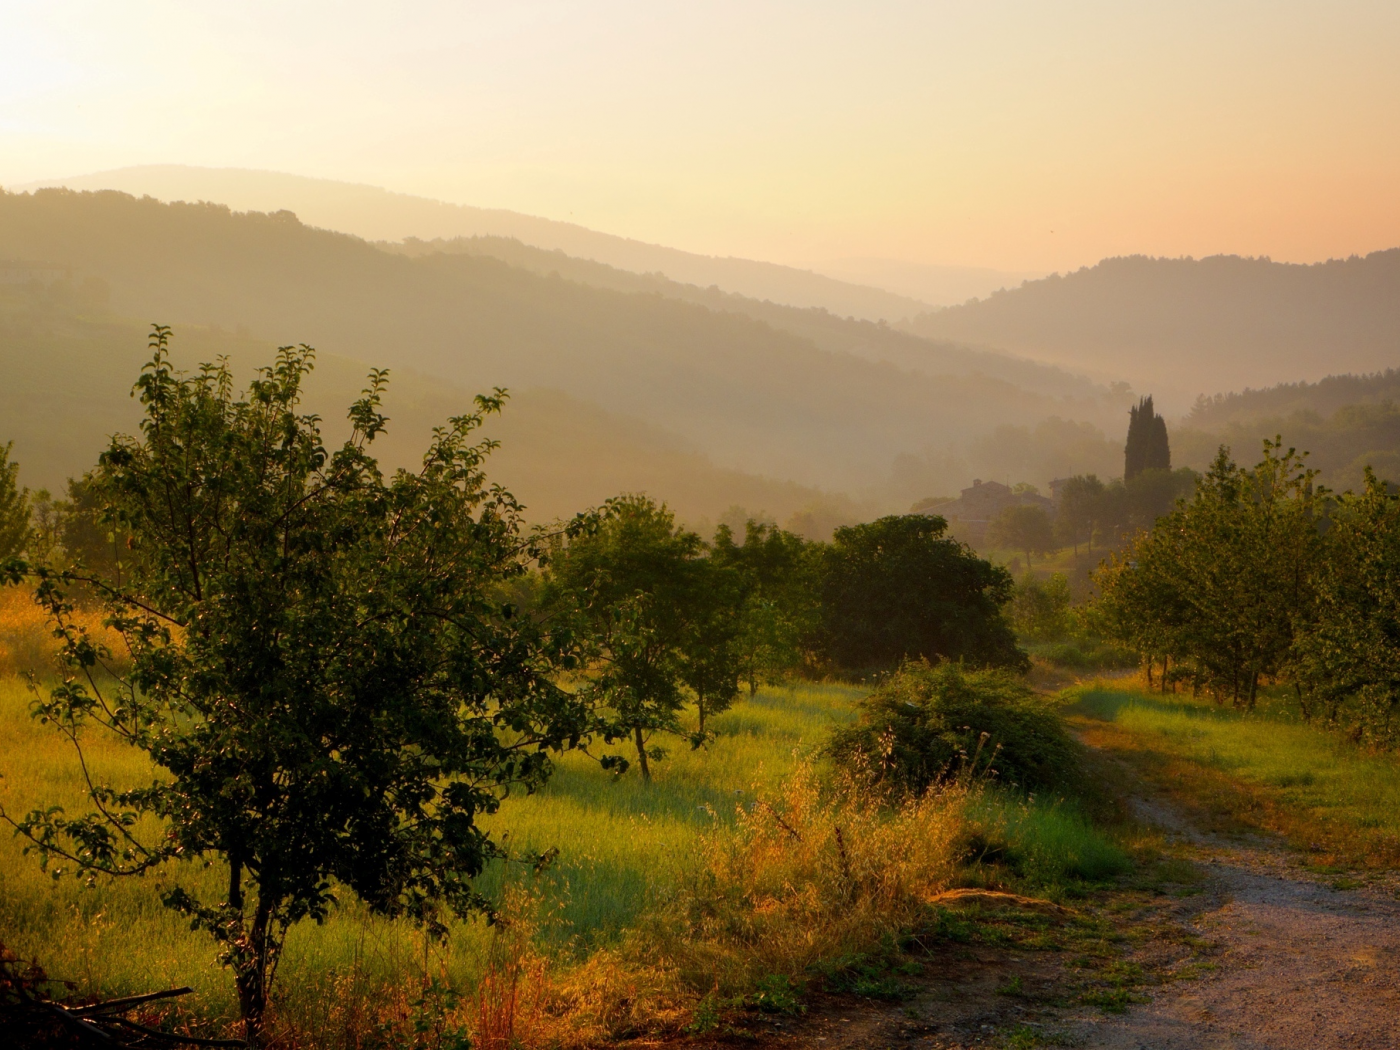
1256, 953
1300, 963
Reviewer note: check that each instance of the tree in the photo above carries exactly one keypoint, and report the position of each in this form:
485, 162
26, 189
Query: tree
322, 669
1041, 610
1078, 512
14, 507
1348, 657
628, 585
779, 605
1147, 447
1022, 527
898, 589
712, 653
1224, 581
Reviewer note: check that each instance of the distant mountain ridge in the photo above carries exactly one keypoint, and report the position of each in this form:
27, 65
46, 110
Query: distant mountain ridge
377, 214
859, 338
746, 392
1183, 327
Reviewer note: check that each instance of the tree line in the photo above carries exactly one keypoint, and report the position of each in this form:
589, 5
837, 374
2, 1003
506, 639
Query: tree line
337, 673
1263, 577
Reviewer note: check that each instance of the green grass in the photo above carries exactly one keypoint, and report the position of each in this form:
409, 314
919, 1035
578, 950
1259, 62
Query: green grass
622, 843
1049, 846
623, 846
1314, 780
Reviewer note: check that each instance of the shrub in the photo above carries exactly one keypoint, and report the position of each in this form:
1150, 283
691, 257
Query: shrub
928, 724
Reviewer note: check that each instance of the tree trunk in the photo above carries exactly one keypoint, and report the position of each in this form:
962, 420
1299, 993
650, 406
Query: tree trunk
1149, 670
700, 706
1165, 661
1253, 688
250, 973
641, 753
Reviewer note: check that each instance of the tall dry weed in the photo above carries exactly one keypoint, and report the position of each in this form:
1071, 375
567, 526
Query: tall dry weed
808, 877
811, 876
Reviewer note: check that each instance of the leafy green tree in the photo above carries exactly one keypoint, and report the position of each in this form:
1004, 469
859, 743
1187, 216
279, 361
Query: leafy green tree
898, 589
1147, 447
779, 606
14, 507
712, 650
1024, 528
1080, 499
1040, 610
629, 585
322, 669
1224, 581
1348, 657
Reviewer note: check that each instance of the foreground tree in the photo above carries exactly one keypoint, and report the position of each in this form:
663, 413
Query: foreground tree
321, 666
897, 589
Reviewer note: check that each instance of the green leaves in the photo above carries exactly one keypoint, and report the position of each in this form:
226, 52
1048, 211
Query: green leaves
320, 659
898, 589
1224, 584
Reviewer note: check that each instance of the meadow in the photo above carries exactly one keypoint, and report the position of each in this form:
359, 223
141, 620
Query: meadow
626, 848
1266, 769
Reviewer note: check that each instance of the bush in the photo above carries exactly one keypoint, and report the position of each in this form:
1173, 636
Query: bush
929, 724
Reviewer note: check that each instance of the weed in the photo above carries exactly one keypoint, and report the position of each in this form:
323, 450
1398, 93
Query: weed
1012, 986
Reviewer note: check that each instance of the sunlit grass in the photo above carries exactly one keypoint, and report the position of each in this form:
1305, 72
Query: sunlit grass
621, 843
1312, 784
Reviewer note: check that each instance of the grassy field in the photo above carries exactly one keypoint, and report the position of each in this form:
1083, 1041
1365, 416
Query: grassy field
622, 843
625, 846
1266, 769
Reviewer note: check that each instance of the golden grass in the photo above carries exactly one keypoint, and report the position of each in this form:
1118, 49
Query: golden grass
27, 642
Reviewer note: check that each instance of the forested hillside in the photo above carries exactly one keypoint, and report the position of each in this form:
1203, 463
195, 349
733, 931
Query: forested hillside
1345, 423
848, 335
377, 214
1196, 326
751, 396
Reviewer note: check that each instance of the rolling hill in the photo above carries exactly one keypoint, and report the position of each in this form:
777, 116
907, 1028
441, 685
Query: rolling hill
751, 396
68, 376
1183, 327
380, 215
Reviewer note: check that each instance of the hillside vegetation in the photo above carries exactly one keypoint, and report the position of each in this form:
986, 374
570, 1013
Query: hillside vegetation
69, 376
1346, 423
750, 395
1192, 326
378, 214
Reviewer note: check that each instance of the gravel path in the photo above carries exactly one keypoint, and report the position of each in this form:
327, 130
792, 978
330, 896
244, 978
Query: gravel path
1300, 965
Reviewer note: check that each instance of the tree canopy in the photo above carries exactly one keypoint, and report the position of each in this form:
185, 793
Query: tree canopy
898, 589
324, 664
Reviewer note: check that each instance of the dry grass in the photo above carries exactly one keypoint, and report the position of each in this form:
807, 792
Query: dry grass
27, 642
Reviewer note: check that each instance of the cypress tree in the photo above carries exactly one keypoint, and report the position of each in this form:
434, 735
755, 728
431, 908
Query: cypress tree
1147, 447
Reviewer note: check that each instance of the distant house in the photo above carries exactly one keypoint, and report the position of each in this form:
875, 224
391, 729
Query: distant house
969, 514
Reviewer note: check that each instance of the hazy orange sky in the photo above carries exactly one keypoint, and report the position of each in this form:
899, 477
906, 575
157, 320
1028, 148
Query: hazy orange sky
1027, 136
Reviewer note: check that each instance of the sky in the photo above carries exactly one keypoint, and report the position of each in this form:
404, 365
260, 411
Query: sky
1015, 135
